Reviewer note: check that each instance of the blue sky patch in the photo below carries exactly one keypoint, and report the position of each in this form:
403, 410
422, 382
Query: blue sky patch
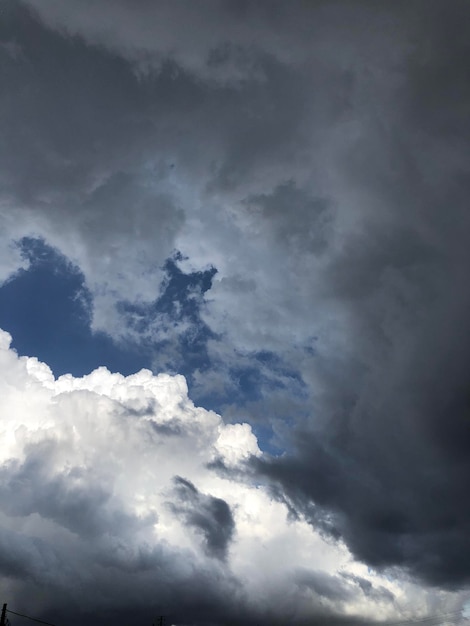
172, 322
46, 308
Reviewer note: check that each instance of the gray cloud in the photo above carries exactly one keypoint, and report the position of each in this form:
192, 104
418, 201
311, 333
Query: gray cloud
277, 209
386, 459
324, 585
208, 515
368, 589
70, 499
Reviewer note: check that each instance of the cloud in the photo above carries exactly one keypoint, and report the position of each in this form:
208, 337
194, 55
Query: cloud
315, 155
220, 41
98, 520
211, 516
107, 165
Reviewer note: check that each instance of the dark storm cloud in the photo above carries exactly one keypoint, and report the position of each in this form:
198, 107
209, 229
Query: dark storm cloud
308, 231
385, 463
75, 112
158, 574
54, 137
210, 516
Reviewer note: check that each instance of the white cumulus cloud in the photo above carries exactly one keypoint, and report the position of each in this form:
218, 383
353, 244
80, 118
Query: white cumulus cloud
111, 498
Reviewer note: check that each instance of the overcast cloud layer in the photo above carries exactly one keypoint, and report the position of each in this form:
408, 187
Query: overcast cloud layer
270, 197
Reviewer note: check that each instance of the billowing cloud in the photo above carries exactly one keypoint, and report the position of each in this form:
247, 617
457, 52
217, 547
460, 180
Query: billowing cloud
98, 519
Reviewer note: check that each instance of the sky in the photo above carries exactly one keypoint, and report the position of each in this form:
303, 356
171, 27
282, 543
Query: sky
234, 312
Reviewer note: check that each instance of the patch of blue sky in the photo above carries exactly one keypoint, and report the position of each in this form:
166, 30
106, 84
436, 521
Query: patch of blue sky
281, 375
247, 379
255, 380
262, 390
268, 374
172, 322
46, 308
267, 440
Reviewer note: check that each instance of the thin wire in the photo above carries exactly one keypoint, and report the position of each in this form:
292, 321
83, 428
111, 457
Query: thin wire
33, 619
420, 620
